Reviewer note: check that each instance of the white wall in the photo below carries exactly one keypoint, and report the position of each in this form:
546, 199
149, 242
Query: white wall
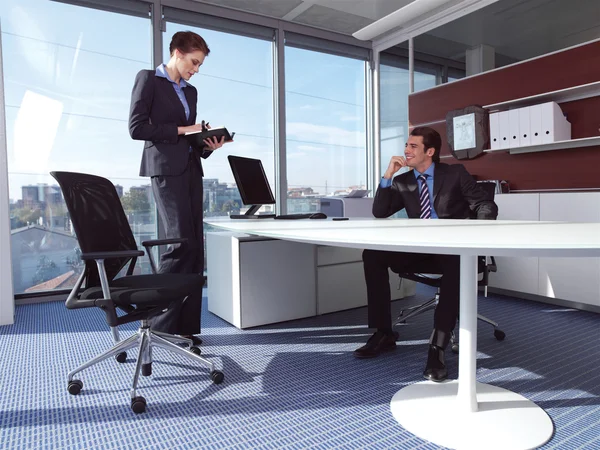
7, 307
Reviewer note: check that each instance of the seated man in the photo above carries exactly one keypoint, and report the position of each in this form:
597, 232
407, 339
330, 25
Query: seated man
432, 190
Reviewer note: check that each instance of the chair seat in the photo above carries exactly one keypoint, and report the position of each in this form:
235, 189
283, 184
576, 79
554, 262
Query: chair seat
148, 290
432, 277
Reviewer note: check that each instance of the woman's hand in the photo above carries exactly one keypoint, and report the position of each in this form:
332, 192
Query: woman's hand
213, 143
189, 129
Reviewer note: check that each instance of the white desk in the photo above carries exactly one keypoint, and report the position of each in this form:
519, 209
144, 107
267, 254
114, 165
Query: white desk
483, 416
256, 280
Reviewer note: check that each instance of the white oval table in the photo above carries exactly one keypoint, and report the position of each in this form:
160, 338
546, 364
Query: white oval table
483, 416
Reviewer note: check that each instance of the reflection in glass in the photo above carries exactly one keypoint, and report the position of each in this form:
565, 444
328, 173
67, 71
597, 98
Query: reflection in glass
235, 90
325, 128
68, 75
394, 91
511, 31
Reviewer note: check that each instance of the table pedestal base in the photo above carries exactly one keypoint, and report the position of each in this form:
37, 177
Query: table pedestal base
505, 420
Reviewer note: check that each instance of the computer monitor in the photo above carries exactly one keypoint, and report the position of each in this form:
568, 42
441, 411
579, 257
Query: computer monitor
253, 185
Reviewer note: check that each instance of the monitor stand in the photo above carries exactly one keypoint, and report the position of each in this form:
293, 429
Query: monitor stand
250, 214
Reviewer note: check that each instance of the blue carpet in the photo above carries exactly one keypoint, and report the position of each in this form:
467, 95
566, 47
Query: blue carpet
294, 385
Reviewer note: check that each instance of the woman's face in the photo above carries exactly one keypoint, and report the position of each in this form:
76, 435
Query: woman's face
188, 63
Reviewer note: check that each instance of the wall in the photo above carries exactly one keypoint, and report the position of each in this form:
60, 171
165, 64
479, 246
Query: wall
557, 169
6, 287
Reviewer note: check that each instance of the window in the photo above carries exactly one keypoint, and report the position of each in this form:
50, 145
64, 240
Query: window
510, 31
235, 90
325, 126
455, 74
68, 75
394, 91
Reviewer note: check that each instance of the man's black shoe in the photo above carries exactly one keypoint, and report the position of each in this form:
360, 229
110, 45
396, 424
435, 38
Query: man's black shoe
435, 370
379, 342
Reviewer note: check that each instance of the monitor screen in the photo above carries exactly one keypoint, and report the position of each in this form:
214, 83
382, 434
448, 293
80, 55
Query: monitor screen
251, 180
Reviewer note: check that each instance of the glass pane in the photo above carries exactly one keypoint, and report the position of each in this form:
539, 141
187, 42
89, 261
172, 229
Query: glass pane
326, 127
235, 90
394, 108
511, 31
68, 75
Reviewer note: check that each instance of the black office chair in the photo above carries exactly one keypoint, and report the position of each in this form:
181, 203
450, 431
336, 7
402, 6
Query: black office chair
485, 265
108, 246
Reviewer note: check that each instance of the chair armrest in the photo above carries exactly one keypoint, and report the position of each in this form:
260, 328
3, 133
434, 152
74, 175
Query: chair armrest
492, 267
154, 242
111, 255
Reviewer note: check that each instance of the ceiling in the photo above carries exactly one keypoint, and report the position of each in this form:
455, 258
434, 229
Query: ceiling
342, 16
517, 29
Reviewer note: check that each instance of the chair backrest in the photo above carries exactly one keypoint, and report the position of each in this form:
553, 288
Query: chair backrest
489, 188
98, 220
484, 267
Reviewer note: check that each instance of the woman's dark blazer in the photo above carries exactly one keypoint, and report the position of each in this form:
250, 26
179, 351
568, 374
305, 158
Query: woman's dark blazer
155, 114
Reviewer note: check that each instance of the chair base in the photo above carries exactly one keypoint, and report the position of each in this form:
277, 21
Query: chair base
145, 339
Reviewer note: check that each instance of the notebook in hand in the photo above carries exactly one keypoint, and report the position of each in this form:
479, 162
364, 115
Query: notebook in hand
196, 138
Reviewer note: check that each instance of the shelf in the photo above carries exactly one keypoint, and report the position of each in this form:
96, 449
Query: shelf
560, 96
558, 145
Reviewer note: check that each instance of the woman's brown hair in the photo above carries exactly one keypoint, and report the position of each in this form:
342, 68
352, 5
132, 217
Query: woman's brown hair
187, 42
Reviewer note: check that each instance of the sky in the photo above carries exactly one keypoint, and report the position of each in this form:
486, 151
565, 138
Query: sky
68, 74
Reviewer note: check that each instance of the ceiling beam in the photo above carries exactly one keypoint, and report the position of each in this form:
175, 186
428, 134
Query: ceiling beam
398, 18
429, 21
298, 10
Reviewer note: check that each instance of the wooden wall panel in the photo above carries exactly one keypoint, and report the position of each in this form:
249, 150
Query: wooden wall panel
556, 169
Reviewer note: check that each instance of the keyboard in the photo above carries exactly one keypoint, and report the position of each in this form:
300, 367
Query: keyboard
294, 216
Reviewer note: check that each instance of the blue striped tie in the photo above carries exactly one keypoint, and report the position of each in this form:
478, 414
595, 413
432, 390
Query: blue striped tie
424, 198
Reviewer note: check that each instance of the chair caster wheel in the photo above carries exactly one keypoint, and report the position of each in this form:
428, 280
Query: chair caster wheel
217, 376
146, 369
195, 339
499, 334
455, 348
75, 387
138, 405
121, 357
195, 350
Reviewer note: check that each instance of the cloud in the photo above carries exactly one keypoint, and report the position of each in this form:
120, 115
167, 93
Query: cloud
296, 155
310, 148
36, 50
326, 135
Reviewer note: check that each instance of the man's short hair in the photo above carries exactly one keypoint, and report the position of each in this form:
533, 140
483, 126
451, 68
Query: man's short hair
431, 139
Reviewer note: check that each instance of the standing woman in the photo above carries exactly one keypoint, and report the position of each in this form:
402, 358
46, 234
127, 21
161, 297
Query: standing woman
163, 109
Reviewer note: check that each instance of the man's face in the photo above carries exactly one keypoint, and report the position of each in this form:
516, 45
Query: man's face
416, 155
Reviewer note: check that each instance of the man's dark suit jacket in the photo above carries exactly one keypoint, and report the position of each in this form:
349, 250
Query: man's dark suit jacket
155, 114
456, 195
